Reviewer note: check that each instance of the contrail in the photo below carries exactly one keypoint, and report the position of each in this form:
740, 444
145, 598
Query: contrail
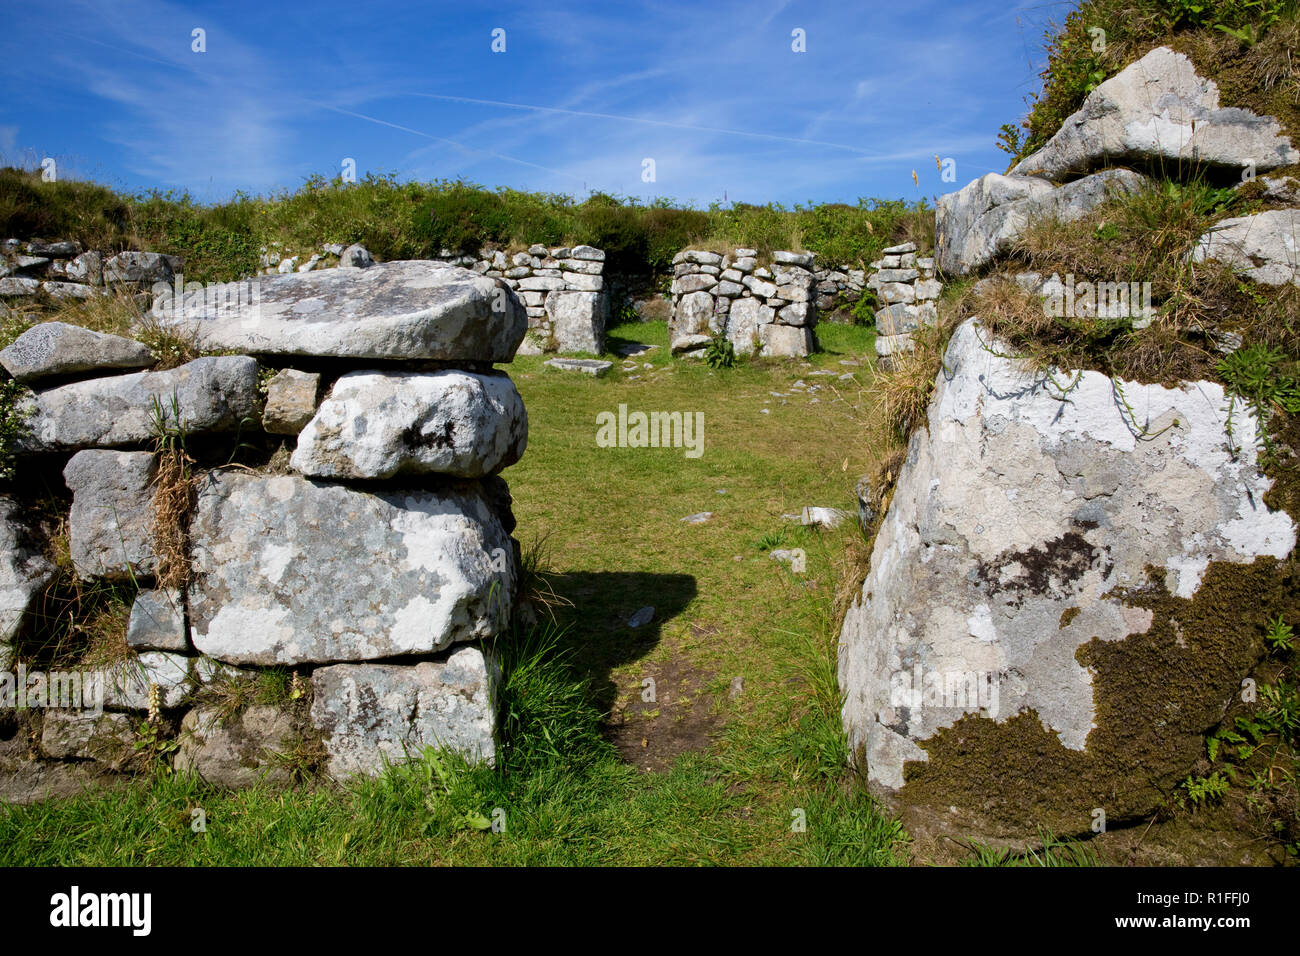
371, 119
647, 122
452, 142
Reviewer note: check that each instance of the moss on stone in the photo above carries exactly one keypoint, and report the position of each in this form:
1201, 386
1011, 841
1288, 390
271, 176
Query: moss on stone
1156, 694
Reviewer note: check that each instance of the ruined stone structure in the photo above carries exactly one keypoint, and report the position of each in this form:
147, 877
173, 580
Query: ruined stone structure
371, 557
563, 289
906, 291
767, 310
1065, 579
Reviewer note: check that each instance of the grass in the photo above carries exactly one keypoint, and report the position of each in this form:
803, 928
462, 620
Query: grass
1052, 851
114, 313
1141, 238
175, 485
731, 774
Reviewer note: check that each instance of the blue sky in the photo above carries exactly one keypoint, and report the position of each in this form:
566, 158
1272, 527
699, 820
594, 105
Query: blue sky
581, 97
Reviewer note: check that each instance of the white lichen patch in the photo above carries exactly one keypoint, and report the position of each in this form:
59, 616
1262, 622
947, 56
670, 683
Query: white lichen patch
342, 574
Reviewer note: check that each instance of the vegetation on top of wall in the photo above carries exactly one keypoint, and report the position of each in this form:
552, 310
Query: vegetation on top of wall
1245, 46
417, 220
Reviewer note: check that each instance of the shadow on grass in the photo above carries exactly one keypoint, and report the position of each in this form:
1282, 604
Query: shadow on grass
598, 638
621, 347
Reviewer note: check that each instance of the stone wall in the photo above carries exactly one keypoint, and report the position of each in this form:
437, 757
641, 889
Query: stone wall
762, 310
905, 285
563, 289
1069, 584
838, 291
65, 270
364, 545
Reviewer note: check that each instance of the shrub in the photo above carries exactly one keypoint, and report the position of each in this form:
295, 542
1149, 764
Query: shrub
414, 220
864, 310
462, 218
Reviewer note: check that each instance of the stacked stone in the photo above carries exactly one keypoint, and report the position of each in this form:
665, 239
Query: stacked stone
761, 310
563, 289
276, 261
64, 270
905, 283
838, 289
1072, 174
1006, 470
374, 565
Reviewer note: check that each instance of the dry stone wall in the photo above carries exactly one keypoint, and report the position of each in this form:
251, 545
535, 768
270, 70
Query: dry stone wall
907, 291
563, 289
767, 310
1065, 582
66, 270
371, 556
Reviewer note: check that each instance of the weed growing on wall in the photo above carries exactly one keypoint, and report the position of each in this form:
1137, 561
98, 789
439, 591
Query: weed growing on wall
175, 489
12, 425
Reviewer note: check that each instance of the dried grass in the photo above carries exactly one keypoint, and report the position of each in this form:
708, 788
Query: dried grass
535, 577
902, 391
1139, 238
114, 312
175, 492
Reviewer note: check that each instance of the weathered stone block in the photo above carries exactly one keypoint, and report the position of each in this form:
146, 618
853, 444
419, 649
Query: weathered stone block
291, 571
384, 424
372, 713
110, 527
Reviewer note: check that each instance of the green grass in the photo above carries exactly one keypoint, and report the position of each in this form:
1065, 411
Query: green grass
732, 774
1052, 852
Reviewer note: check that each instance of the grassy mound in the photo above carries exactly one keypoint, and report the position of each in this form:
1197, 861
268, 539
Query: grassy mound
411, 220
